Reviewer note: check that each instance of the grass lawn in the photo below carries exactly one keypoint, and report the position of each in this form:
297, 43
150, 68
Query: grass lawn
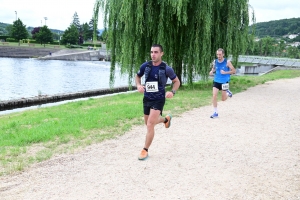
16, 44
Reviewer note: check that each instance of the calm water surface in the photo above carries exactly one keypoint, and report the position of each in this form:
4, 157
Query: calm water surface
29, 77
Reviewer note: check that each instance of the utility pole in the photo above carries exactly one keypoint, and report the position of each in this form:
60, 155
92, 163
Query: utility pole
16, 15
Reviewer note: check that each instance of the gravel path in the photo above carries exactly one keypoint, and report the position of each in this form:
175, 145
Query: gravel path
252, 151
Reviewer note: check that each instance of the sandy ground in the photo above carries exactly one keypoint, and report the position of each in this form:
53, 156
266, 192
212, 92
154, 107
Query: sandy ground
252, 151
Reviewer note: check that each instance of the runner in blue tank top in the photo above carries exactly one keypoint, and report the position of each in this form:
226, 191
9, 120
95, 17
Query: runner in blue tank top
223, 69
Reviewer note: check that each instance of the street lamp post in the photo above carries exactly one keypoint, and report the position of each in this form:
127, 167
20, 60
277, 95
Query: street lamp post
58, 38
16, 15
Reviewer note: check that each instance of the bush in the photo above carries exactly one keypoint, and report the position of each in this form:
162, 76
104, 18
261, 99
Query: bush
31, 41
55, 43
71, 46
89, 44
25, 40
4, 37
11, 40
34, 42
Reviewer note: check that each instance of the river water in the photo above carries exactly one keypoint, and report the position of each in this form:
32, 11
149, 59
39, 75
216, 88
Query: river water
23, 78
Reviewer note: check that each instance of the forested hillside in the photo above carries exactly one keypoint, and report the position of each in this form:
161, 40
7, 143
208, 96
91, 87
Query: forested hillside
278, 28
3, 30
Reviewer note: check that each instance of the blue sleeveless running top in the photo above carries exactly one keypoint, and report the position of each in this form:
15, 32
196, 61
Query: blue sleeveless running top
221, 78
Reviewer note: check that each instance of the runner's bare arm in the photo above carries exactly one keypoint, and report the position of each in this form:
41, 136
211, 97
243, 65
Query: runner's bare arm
232, 69
211, 73
176, 84
139, 86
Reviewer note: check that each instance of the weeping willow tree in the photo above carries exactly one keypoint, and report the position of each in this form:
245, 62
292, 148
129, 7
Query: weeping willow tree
189, 30
95, 21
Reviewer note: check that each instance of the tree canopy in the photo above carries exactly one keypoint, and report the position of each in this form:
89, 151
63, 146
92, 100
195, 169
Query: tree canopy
87, 33
35, 31
19, 30
189, 30
70, 35
44, 35
76, 21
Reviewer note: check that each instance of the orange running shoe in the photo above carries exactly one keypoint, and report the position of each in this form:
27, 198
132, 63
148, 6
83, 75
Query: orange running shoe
143, 155
168, 123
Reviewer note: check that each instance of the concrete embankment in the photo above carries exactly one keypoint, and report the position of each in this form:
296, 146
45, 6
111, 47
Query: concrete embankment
43, 99
25, 52
78, 55
56, 53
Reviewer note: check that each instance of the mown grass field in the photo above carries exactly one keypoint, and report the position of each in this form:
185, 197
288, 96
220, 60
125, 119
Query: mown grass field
35, 135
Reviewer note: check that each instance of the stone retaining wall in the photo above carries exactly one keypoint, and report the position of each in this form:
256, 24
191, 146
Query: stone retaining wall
24, 52
43, 99
56, 53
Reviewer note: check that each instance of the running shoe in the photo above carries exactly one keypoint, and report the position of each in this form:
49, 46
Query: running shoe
229, 93
168, 123
215, 115
143, 155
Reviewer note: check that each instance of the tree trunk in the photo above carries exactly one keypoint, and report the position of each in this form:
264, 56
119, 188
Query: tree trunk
177, 66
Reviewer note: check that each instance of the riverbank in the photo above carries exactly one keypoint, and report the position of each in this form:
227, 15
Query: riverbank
44, 99
53, 53
25, 52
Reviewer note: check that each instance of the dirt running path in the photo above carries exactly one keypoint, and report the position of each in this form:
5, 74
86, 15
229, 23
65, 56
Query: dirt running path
252, 151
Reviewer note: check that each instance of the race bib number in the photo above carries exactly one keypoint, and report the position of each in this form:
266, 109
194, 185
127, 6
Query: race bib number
151, 87
225, 86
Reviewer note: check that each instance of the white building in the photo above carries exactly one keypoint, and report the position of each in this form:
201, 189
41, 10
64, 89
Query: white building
295, 44
292, 36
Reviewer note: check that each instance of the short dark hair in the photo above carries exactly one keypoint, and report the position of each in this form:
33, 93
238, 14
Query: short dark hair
158, 45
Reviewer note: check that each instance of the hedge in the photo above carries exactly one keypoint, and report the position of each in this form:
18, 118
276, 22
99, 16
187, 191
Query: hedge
92, 45
4, 37
11, 40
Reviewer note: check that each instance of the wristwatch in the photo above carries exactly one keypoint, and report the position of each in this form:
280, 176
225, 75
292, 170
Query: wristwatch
173, 91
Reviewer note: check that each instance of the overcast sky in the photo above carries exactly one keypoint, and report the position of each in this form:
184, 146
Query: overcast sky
60, 12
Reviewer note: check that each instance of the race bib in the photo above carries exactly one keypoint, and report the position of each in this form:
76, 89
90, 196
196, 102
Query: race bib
225, 86
152, 86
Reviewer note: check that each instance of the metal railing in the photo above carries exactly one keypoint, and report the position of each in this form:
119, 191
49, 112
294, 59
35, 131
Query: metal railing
288, 62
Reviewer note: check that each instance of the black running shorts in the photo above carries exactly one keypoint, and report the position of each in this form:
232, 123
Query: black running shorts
218, 85
153, 104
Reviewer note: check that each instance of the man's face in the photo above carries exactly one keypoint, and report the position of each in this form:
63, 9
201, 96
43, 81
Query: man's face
156, 54
220, 55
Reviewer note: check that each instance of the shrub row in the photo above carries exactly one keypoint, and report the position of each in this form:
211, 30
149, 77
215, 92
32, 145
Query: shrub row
89, 44
4, 37
8, 39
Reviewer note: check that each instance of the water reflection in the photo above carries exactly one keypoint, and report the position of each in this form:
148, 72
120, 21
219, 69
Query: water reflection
30, 77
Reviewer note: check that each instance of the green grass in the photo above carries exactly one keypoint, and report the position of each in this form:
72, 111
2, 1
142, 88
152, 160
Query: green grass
36, 135
16, 44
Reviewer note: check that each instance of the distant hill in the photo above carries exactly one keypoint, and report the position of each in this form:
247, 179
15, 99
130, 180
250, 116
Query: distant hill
100, 31
3, 31
2, 28
278, 28
30, 28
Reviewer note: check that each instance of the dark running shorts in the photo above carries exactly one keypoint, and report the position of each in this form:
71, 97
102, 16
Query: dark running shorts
153, 104
218, 85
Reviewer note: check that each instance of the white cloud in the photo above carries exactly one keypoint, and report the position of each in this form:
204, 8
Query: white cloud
268, 10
